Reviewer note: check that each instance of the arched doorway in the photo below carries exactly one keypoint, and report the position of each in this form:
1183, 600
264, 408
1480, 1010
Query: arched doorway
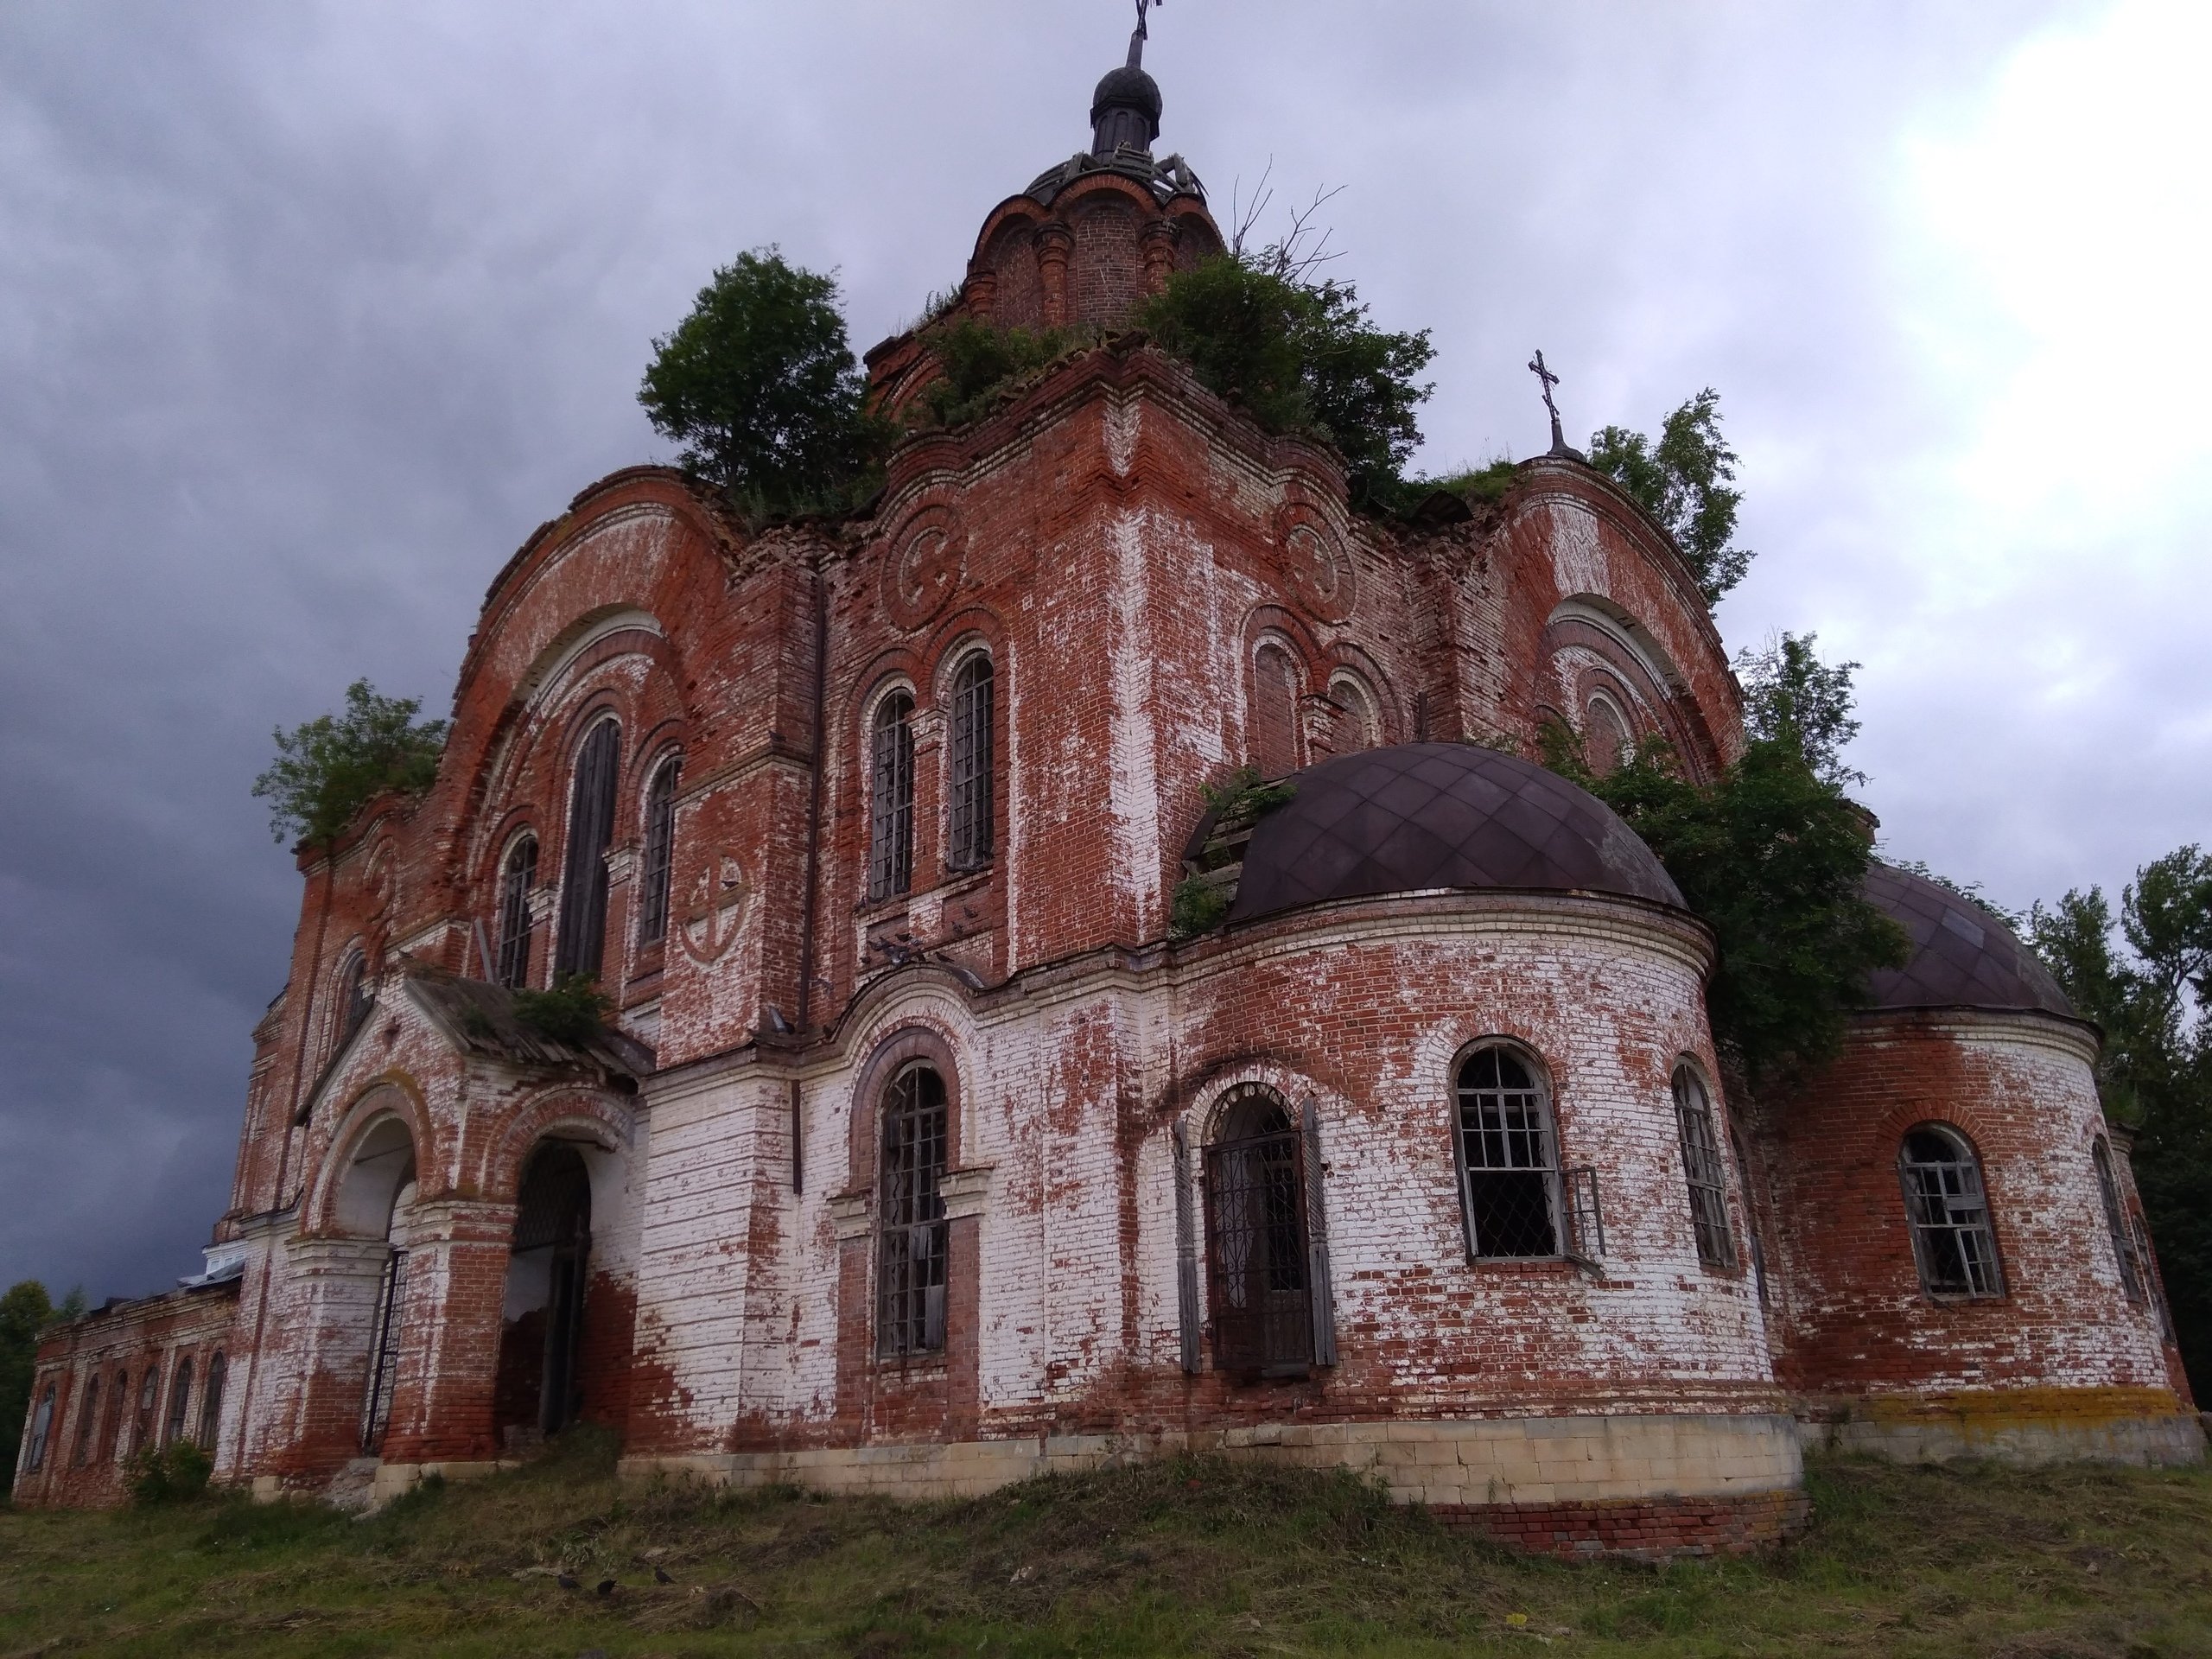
538, 1390
1258, 1243
374, 1195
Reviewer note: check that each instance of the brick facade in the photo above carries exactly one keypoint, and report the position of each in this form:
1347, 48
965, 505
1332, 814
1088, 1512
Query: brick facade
1165, 593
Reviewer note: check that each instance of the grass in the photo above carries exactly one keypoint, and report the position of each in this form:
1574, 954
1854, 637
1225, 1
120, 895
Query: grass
1198, 1557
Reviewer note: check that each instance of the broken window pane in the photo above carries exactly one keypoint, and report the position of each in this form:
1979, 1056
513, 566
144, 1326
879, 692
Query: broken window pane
1508, 1163
1950, 1219
1701, 1169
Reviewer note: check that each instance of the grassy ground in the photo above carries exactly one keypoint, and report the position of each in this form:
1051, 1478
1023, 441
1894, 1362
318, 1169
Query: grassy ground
1182, 1558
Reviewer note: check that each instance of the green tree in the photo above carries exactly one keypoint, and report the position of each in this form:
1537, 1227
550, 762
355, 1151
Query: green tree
25, 1312
1685, 482
1772, 857
2144, 976
760, 387
328, 769
1790, 695
1301, 356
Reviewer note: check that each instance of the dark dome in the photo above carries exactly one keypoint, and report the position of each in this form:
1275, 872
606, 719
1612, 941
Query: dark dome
1129, 88
1962, 956
1440, 814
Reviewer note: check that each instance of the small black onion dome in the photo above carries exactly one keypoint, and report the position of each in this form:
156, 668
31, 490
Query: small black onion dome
1129, 88
1962, 956
1419, 816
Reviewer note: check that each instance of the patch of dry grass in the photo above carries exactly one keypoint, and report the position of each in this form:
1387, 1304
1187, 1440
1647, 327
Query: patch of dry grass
1199, 1557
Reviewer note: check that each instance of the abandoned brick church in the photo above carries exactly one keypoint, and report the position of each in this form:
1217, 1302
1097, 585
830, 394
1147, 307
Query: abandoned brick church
924, 1152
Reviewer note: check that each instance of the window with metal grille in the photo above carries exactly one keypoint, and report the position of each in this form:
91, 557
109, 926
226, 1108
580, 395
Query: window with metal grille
211, 1401
88, 1413
2123, 1239
180, 1399
911, 1234
42, 1429
1508, 1165
891, 769
516, 877
1707, 1176
974, 698
583, 875
1257, 1239
1944, 1201
660, 850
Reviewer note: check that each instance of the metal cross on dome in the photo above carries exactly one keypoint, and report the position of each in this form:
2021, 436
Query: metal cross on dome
1549, 380
1142, 35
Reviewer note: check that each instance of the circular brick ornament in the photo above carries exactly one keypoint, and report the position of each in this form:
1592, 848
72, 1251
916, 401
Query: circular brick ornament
925, 566
1317, 566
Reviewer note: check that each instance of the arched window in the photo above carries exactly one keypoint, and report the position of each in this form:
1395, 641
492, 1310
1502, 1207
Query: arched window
912, 1240
42, 1429
1358, 726
118, 1401
1702, 1170
973, 699
88, 1412
517, 875
1509, 1161
891, 797
210, 1400
1605, 739
1264, 1255
583, 875
1949, 1213
2123, 1239
660, 852
357, 996
142, 1429
180, 1400
1274, 711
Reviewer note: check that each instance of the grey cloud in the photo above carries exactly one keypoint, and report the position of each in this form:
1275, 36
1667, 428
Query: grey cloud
309, 312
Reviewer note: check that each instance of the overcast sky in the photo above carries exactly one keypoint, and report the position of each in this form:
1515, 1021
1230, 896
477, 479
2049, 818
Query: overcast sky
310, 312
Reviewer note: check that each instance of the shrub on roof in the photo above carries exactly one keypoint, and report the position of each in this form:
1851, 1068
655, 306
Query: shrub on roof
326, 770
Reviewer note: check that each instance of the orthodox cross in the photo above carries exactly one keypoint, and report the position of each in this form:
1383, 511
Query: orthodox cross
1142, 35
1548, 379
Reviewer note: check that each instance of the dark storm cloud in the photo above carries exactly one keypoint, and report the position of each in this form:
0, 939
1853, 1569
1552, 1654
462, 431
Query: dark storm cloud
309, 312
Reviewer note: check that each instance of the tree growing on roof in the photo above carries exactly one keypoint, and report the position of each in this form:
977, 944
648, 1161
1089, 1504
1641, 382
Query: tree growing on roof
1686, 482
759, 386
326, 770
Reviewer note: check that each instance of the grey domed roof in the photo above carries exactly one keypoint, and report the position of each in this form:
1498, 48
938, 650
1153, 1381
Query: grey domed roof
1440, 814
1962, 956
1128, 88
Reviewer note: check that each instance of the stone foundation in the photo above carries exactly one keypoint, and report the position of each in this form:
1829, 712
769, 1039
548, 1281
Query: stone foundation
1643, 1485
2027, 1427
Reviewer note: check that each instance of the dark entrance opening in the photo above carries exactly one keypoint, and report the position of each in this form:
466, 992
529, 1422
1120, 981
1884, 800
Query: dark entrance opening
538, 1390
1256, 1242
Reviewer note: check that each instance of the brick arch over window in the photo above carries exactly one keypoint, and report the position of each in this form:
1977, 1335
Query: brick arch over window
1654, 685
909, 1041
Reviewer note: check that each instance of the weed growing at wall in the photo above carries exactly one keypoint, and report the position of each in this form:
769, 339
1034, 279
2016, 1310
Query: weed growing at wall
175, 1473
574, 1012
981, 360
